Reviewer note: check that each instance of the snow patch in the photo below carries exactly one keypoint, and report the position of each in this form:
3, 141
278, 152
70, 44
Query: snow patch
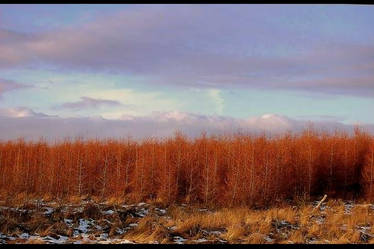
108, 212
179, 239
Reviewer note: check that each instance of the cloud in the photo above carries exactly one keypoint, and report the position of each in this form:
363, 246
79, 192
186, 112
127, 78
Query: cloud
21, 112
359, 86
196, 45
322, 118
9, 85
215, 95
32, 126
87, 102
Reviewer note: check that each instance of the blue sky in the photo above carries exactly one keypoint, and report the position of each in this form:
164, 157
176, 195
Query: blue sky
241, 62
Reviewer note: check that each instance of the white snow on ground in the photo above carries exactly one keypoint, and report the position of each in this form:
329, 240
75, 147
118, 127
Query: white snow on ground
88, 230
268, 239
179, 239
160, 211
3, 238
120, 231
68, 222
24, 236
103, 236
142, 212
14, 209
48, 210
116, 241
222, 241
84, 226
365, 231
83, 229
348, 207
47, 239
60, 240
108, 212
200, 240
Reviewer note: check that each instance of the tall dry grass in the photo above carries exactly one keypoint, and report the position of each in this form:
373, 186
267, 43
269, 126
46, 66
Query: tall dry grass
216, 170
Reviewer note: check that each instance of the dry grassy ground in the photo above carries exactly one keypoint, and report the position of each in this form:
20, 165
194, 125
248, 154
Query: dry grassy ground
80, 220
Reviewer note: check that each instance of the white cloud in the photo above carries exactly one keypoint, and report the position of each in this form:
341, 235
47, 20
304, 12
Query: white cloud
271, 122
141, 102
20, 112
23, 122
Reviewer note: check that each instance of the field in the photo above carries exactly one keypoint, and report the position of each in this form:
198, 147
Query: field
211, 189
87, 221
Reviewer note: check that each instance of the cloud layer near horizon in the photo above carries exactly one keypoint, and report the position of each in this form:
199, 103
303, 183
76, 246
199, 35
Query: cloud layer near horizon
23, 122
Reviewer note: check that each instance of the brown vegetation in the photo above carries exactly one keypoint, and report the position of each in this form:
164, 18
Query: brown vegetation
334, 221
214, 171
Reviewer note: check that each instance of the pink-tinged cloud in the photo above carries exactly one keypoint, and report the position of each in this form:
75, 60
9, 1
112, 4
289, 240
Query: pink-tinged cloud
200, 45
88, 102
9, 85
21, 112
32, 126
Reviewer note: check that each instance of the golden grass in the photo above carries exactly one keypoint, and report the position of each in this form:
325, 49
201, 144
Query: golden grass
243, 225
283, 224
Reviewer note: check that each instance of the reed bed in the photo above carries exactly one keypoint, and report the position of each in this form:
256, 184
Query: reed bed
222, 171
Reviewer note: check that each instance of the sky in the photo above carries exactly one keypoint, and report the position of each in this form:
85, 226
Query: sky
148, 70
